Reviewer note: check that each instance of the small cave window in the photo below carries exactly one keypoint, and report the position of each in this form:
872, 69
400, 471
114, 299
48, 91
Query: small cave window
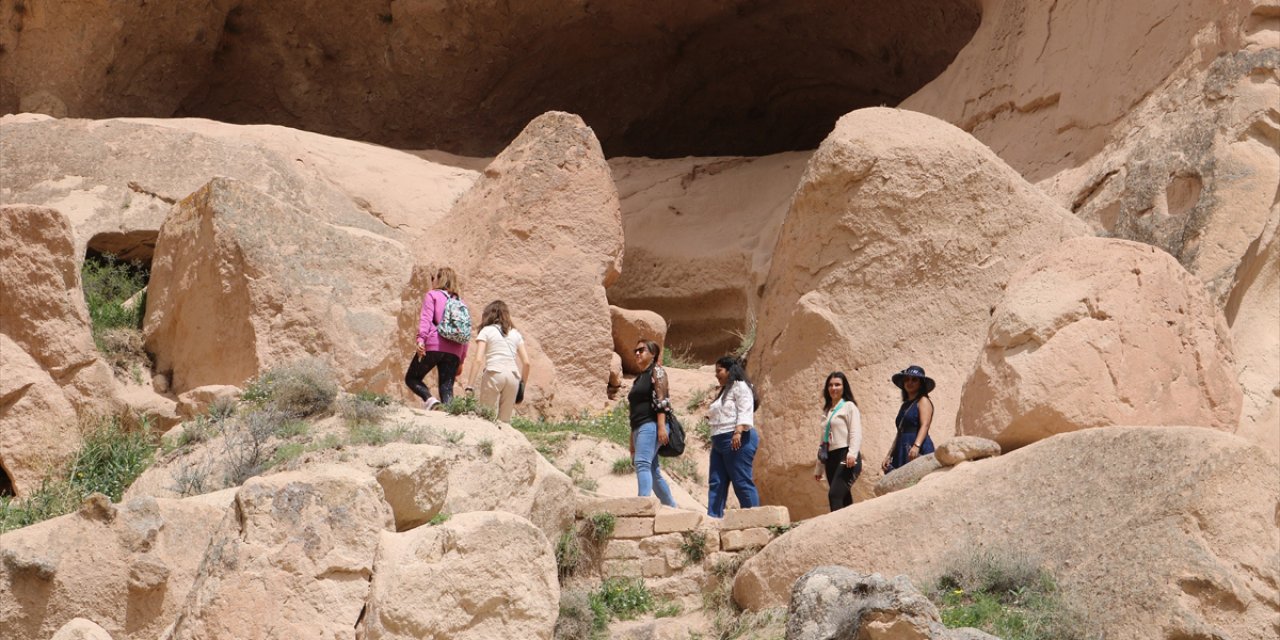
7, 489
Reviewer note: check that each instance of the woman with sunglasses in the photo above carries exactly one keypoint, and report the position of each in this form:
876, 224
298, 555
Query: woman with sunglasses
650, 400
914, 418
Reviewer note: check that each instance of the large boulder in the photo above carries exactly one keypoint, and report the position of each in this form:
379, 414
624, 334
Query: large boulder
1182, 154
1101, 332
838, 602
476, 576
53, 372
899, 241
242, 281
631, 326
127, 567
541, 231
117, 179
296, 549
1172, 531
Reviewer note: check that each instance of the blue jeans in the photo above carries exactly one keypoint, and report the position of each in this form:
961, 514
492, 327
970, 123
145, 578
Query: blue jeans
648, 474
732, 467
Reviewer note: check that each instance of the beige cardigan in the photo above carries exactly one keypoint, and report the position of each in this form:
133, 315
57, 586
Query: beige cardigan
846, 428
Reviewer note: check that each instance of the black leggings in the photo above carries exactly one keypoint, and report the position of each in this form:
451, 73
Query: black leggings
841, 478
446, 363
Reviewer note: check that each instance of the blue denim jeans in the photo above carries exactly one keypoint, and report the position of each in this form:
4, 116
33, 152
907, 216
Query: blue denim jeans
732, 467
648, 474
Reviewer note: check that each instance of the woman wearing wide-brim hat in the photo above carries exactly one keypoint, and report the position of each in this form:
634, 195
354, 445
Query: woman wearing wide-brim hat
914, 417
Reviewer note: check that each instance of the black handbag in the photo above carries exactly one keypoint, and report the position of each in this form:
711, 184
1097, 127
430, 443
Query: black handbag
675, 437
520, 393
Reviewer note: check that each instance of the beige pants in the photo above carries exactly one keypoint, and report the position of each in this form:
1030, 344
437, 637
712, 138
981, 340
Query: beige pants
498, 391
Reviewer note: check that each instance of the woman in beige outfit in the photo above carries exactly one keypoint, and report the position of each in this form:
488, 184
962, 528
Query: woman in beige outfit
839, 453
506, 362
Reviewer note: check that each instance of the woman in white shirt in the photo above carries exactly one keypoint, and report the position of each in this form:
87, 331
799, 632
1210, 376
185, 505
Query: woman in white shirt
506, 362
734, 439
839, 452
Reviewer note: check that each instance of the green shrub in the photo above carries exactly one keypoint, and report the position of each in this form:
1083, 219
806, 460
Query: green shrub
702, 432
678, 358
694, 546
670, 609
1006, 594
303, 388
623, 598
110, 458
107, 284
486, 448
364, 407
247, 442
623, 466
468, 405
222, 408
613, 425
580, 618
438, 519
598, 527
569, 554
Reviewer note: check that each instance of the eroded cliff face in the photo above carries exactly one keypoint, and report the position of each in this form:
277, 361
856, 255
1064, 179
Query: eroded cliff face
665, 78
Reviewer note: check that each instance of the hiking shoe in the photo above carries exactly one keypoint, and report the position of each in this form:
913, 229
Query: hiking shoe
432, 403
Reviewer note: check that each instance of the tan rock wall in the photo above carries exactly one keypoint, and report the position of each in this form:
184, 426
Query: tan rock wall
897, 246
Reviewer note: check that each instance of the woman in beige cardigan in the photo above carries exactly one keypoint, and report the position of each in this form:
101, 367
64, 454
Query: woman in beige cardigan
839, 453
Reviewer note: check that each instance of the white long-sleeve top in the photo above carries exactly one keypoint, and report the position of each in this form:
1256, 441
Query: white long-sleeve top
735, 408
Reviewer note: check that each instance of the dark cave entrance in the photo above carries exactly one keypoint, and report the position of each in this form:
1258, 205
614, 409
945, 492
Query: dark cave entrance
658, 78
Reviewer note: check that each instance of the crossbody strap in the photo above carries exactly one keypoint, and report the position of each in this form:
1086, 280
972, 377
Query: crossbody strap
904, 415
826, 436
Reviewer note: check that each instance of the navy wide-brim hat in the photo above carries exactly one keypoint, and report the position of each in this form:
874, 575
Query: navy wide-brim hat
915, 371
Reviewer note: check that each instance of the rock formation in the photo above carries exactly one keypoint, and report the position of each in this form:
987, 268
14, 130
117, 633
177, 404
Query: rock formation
241, 280
296, 547
476, 576
541, 231
1204, 565
1177, 148
1101, 332
630, 326
899, 240
127, 567
52, 372
700, 234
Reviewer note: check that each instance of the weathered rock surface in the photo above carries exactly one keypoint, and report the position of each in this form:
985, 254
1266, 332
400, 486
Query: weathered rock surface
631, 326
196, 401
302, 545
53, 373
898, 243
81, 629
1205, 564
962, 448
242, 281
700, 234
117, 179
1101, 332
476, 576
127, 567
908, 474
838, 602
541, 231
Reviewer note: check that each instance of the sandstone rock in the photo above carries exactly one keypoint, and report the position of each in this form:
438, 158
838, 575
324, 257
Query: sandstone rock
700, 234
241, 281
631, 326
1208, 535
632, 506
197, 400
739, 539
541, 231
1101, 332
415, 483
1251, 312
766, 516
615, 371
117, 179
477, 576
962, 448
837, 602
81, 629
899, 216
674, 520
301, 544
130, 574
908, 475
53, 372
628, 527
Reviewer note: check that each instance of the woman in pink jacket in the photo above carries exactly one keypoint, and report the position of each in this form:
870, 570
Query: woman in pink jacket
436, 351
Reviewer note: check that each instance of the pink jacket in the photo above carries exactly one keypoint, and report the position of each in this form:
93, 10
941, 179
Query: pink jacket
432, 308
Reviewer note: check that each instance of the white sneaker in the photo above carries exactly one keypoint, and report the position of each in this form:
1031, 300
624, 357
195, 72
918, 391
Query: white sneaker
431, 403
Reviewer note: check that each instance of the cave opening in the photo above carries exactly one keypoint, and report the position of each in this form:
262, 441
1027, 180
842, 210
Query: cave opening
661, 78
7, 490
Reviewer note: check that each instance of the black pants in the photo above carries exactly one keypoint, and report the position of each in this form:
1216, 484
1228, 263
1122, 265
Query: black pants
841, 478
421, 365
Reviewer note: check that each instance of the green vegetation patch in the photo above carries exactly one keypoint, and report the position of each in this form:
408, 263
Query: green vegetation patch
613, 425
1007, 595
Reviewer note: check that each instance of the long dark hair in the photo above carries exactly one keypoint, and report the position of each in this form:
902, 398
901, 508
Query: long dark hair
848, 390
737, 371
655, 349
497, 313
